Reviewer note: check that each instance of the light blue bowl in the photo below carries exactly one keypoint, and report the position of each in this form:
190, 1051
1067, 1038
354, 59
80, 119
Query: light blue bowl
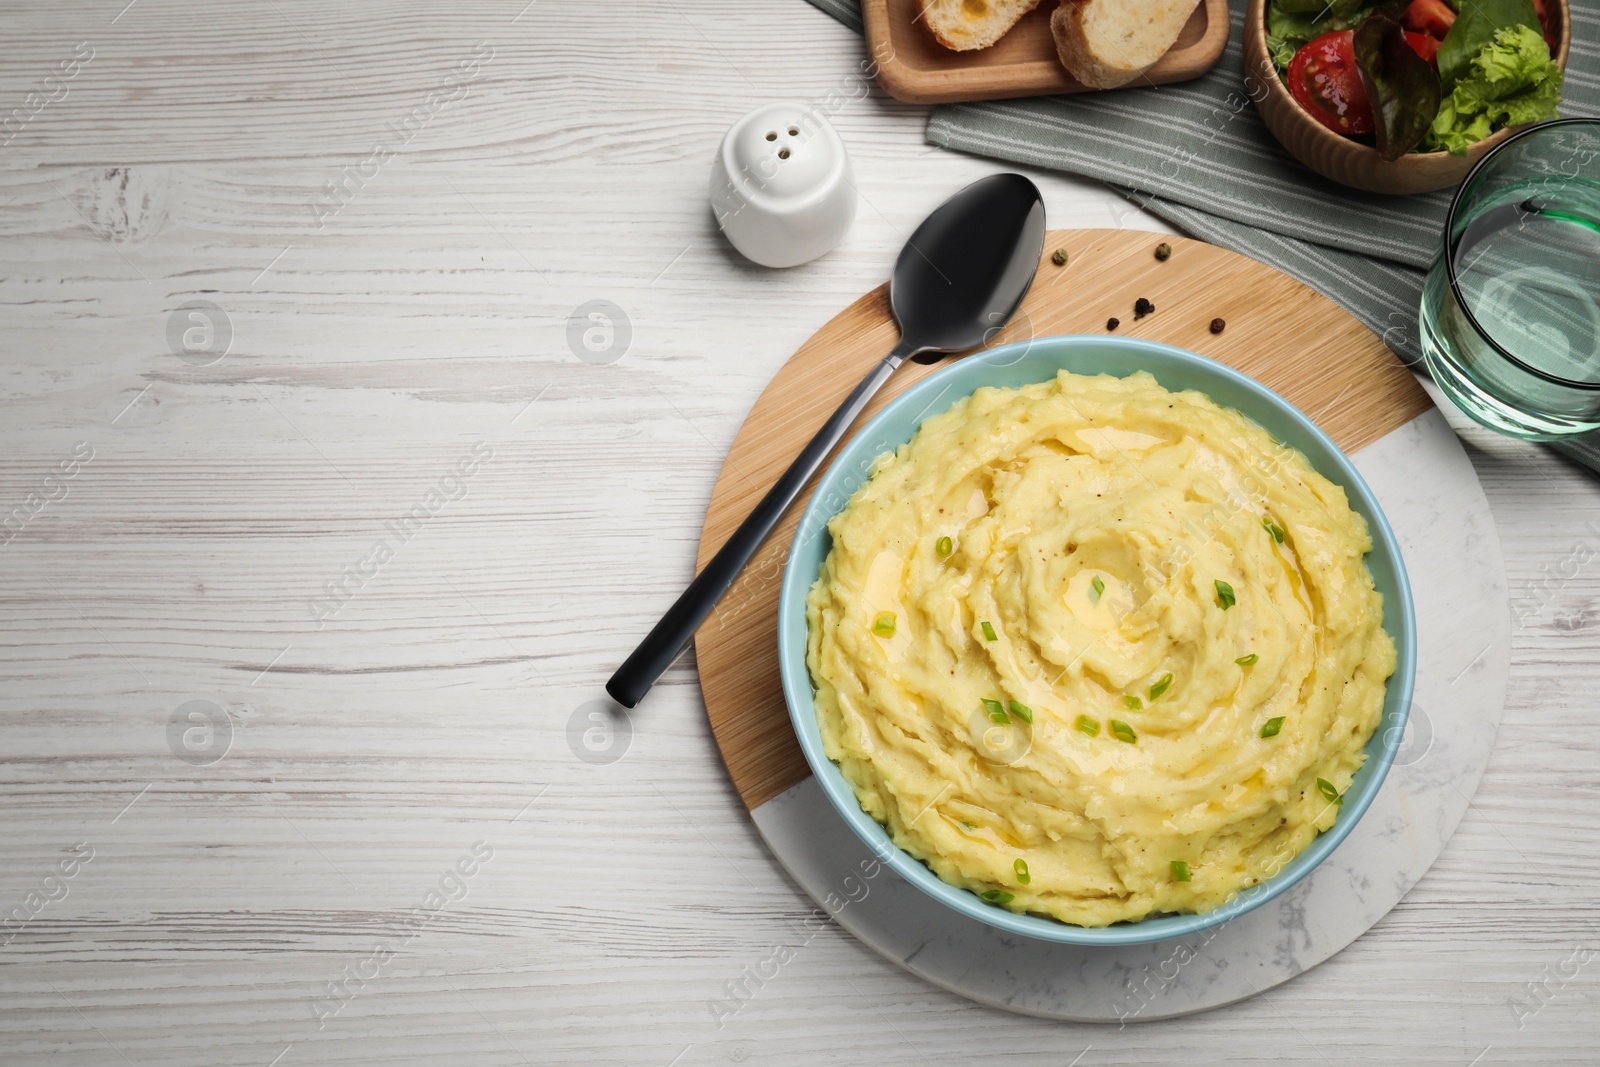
1036, 361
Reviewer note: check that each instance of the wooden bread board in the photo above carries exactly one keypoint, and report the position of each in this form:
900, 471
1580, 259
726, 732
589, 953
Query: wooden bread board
914, 67
1278, 330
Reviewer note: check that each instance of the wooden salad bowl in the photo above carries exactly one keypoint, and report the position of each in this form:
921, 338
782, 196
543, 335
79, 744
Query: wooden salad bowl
1350, 162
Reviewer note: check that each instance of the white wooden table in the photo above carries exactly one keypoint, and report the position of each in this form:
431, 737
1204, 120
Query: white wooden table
400, 347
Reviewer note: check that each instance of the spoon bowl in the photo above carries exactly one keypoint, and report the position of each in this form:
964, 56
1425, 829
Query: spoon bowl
962, 274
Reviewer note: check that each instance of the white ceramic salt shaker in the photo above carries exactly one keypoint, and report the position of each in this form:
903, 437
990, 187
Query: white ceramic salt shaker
781, 185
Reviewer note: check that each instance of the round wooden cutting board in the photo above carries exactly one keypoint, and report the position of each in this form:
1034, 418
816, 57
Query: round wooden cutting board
1335, 370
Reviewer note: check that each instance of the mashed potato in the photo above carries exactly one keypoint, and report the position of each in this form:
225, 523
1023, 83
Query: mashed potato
1054, 628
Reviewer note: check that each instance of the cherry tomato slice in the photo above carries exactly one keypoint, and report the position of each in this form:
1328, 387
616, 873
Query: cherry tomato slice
1324, 79
1423, 45
1432, 17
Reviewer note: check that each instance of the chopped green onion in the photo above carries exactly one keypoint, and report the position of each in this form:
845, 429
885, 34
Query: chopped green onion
1180, 871
1123, 732
965, 825
1133, 703
1160, 686
943, 547
1245, 661
1271, 727
1088, 725
997, 896
1099, 588
1225, 594
996, 710
883, 625
1023, 876
1272, 528
1326, 788
988, 632
1021, 711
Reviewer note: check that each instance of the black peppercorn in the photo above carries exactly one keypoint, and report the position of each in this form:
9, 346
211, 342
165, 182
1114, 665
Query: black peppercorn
1217, 325
1163, 251
1142, 307
1112, 324
1059, 257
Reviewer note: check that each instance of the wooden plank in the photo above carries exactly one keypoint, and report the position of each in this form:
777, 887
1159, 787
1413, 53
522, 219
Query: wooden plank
1279, 331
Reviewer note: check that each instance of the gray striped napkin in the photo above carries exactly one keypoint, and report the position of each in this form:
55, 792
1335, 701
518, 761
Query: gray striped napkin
1197, 155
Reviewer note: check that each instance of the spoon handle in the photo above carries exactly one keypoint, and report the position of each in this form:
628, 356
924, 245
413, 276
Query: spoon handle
639, 671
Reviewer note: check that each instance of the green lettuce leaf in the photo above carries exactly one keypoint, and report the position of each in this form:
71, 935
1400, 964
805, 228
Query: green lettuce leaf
1288, 32
1474, 28
1512, 80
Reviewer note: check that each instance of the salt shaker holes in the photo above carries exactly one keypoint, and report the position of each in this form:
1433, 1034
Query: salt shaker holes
781, 187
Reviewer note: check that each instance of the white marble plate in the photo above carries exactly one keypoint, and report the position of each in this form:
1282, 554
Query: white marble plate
1432, 498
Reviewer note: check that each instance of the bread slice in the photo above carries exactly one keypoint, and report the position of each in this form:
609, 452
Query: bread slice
966, 25
1107, 43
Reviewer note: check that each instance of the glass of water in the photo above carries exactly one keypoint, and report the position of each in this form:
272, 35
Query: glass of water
1511, 307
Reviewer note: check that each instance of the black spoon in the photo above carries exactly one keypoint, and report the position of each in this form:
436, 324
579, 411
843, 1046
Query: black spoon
958, 280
